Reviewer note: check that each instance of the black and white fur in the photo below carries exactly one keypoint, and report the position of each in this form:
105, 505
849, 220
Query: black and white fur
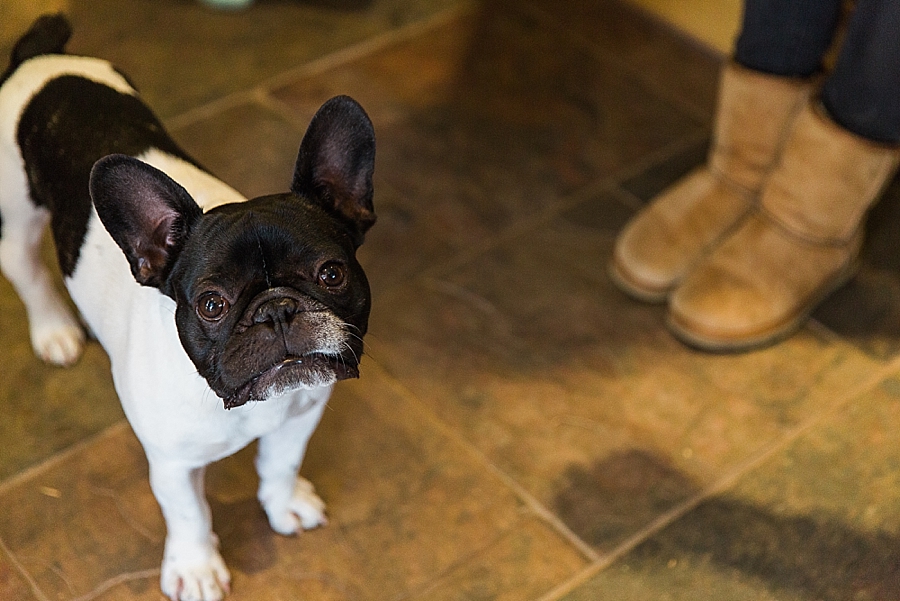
225, 319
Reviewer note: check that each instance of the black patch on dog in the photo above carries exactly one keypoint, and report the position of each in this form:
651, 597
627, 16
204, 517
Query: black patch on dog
68, 125
269, 253
48, 35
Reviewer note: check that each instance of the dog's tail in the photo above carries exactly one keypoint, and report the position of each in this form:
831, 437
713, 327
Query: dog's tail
47, 35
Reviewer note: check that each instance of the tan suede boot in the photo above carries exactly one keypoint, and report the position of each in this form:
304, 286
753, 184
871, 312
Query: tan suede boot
654, 251
802, 243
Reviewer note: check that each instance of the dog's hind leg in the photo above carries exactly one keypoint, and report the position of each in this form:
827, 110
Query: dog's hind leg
56, 335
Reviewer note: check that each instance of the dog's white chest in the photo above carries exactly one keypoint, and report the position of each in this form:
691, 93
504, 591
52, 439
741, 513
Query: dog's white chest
201, 431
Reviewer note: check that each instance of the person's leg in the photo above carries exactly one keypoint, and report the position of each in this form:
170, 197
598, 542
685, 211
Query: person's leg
863, 92
786, 37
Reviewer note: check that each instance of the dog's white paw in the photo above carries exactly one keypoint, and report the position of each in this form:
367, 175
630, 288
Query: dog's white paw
59, 341
197, 576
301, 509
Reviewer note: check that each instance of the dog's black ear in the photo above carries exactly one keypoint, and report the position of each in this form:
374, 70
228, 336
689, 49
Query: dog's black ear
336, 163
147, 213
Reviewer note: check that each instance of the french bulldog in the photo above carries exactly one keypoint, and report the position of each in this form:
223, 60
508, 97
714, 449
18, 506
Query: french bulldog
225, 319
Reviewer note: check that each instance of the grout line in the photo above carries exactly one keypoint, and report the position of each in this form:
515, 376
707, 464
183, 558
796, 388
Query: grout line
116, 581
670, 28
629, 199
282, 110
35, 589
322, 64
518, 490
662, 154
211, 108
727, 481
609, 183
519, 227
535, 505
371, 45
429, 586
53, 460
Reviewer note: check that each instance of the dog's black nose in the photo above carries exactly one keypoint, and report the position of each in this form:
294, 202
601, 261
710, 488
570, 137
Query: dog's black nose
276, 310
277, 307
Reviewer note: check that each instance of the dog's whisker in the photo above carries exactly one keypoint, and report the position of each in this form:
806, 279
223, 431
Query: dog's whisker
352, 352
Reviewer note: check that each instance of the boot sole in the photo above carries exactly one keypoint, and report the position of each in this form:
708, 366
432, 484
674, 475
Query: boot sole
655, 296
763, 339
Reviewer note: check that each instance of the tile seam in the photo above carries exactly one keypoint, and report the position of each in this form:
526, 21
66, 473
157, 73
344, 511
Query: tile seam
320, 65
609, 183
115, 581
32, 583
725, 482
629, 199
269, 103
208, 110
369, 46
428, 587
519, 491
38, 469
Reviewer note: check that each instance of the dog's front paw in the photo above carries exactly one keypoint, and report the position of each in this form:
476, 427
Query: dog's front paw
194, 575
59, 341
300, 509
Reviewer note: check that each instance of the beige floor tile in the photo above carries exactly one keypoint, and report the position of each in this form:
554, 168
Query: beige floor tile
523, 563
250, 148
45, 408
182, 54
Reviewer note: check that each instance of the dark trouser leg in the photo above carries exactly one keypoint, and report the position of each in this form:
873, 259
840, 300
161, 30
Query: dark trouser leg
863, 92
787, 37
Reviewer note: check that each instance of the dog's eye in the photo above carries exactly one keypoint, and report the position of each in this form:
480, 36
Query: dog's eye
212, 306
332, 275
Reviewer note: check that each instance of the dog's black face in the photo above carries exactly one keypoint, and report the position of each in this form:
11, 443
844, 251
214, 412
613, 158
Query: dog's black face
269, 294
281, 302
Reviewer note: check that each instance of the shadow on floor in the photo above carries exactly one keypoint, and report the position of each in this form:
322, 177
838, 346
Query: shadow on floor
818, 557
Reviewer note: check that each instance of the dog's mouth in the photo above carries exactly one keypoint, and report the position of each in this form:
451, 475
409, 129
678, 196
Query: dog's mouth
308, 371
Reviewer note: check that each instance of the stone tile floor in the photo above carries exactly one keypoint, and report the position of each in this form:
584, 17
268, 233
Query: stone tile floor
521, 430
